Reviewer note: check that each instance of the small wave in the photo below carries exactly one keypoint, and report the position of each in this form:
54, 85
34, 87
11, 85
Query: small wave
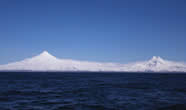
128, 85
174, 107
84, 107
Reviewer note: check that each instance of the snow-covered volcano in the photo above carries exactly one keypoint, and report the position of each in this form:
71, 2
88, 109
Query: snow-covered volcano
156, 64
47, 62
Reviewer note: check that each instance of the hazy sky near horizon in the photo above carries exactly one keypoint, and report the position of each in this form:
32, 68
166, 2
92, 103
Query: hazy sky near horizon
95, 30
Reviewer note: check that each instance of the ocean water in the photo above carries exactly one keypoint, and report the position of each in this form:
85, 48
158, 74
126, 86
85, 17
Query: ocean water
92, 91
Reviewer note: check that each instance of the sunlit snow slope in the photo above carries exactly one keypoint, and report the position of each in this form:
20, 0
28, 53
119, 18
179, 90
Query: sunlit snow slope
47, 62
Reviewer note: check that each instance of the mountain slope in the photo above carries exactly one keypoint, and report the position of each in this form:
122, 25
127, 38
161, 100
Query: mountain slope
47, 62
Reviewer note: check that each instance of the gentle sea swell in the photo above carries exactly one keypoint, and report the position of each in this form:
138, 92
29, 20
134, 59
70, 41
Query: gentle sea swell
92, 91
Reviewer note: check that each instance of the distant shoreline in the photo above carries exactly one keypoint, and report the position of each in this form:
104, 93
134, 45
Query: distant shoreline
92, 72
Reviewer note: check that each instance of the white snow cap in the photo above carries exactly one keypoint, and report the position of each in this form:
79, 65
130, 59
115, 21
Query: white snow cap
157, 58
45, 54
47, 62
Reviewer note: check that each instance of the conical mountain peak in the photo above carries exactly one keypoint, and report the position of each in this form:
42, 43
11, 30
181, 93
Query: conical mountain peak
45, 54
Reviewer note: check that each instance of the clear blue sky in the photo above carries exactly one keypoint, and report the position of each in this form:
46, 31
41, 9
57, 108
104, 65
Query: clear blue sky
95, 30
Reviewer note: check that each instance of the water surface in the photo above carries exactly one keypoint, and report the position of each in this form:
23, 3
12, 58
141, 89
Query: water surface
92, 91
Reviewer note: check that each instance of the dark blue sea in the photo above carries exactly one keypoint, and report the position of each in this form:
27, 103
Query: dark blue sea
92, 91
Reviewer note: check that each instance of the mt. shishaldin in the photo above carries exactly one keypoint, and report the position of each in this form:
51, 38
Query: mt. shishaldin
47, 62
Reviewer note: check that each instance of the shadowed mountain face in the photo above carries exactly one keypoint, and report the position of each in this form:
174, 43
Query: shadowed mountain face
47, 62
155, 61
